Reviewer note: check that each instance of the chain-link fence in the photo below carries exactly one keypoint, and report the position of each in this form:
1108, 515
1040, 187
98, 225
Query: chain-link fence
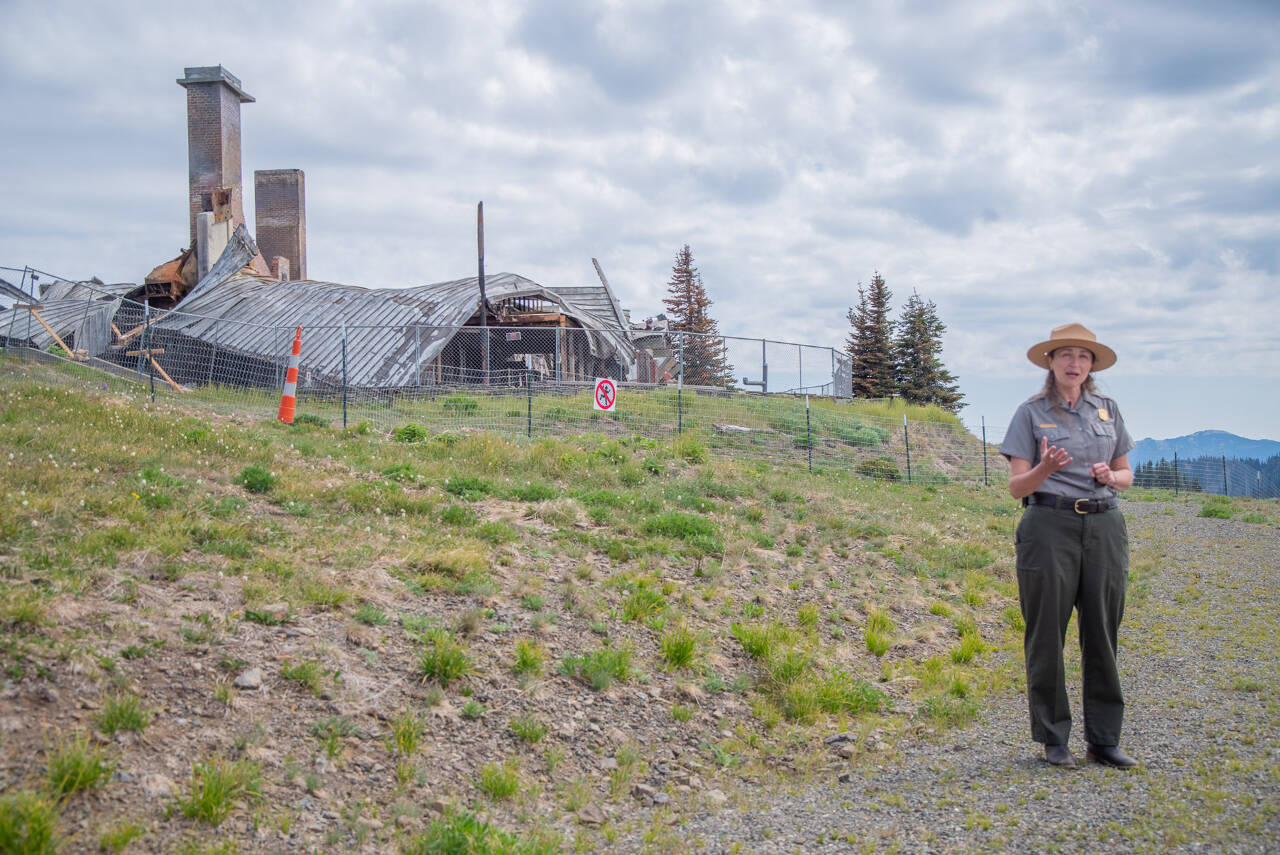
782, 403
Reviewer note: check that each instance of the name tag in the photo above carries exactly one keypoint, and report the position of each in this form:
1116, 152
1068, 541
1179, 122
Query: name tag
1049, 425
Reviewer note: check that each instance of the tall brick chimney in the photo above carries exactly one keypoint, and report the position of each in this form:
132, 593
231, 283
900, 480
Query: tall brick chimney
281, 217
214, 97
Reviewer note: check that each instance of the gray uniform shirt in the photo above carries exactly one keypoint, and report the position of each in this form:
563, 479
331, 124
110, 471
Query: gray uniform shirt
1092, 432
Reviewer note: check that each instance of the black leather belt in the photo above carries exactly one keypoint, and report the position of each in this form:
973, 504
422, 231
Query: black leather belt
1066, 503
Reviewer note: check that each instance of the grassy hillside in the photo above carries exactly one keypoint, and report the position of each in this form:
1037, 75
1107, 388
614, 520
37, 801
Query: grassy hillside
223, 634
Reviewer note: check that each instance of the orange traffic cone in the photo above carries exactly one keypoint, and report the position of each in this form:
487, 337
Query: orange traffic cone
288, 399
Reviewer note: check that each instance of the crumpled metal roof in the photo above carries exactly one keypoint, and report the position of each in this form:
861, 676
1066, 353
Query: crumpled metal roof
391, 332
596, 299
81, 311
13, 292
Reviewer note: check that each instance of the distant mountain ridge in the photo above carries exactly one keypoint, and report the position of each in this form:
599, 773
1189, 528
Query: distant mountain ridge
1204, 443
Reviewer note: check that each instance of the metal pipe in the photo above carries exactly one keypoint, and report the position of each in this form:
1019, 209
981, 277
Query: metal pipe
808, 433
146, 348
484, 301
984, 452
344, 375
906, 440
213, 355
680, 391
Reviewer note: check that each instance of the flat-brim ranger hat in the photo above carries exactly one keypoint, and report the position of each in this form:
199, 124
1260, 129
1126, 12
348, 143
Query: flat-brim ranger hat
1072, 335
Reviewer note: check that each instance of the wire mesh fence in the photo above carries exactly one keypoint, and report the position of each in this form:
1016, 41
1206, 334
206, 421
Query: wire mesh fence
417, 381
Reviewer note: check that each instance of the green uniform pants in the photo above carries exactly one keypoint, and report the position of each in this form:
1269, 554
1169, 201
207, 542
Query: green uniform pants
1068, 560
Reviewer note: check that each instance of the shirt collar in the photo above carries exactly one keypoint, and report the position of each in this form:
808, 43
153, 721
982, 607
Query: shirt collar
1092, 400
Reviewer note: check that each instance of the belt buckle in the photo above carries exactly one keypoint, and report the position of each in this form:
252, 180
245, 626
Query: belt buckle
1076, 506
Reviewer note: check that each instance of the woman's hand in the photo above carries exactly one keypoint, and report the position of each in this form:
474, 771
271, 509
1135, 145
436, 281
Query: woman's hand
1104, 474
1053, 458
1025, 479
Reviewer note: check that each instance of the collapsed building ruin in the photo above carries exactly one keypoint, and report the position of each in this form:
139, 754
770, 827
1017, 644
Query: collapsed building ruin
224, 300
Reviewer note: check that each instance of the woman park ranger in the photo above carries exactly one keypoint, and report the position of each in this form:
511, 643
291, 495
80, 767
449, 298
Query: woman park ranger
1068, 456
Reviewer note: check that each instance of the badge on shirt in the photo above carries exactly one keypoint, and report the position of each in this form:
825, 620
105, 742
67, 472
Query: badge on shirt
1104, 415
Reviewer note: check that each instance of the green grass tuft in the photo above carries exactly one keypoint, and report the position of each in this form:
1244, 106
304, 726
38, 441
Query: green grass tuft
29, 824
218, 787
530, 657
76, 765
528, 728
463, 833
679, 647
600, 668
442, 658
123, 712
642, 604
257, 479
499, 781
308, 673
697, 531
407, 731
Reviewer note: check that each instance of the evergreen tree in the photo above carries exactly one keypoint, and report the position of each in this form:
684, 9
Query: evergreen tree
869, 344
687, 310
919, 374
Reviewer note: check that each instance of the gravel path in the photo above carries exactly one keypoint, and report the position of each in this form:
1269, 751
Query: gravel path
1201, 669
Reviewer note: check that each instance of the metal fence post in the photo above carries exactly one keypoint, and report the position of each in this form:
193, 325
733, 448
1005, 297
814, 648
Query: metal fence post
13, 318
906, 440
764, 365
344, 375
35, 300
528, 382
808, 433
84, 326
985, 482
213, 354
680, 391
1226, 491
275, 346
1176, 476
146, 348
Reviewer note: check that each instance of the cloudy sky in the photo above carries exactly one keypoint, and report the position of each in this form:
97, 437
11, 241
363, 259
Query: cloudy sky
1021, 164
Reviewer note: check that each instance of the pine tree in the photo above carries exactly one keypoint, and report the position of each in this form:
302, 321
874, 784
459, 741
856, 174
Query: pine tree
687, 308
869, 343
919, 374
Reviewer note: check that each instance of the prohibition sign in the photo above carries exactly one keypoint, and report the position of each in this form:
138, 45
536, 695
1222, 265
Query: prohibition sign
606, 395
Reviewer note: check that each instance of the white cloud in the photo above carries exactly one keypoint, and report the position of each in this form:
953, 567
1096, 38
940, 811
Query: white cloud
1019, 164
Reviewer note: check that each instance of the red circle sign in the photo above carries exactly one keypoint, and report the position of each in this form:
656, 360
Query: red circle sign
606, 394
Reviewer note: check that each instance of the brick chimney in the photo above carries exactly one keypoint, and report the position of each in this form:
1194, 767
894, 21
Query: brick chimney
214, 96
280, 212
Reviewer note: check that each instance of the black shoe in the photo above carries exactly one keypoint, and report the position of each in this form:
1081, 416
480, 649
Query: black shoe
1110, 755
1058, 755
